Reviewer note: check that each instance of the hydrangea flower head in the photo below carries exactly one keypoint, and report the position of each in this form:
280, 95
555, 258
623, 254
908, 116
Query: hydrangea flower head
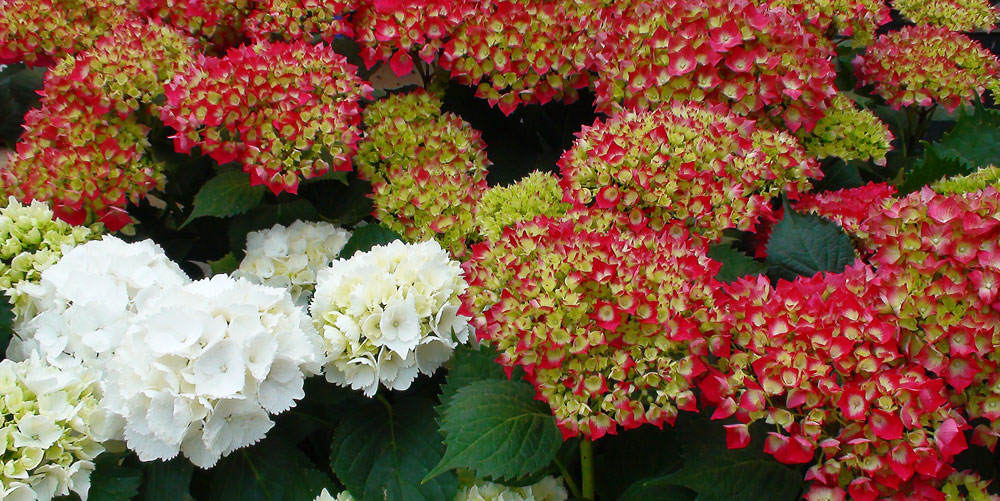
981, 179
849, 133
608, 319
754, 59
537, 194
54, 426
389, 313
289, 257
39, 32
83, 304
926, 65
284, 111
291, 20
427, 168
203, 366
214, 22
956, 15
857, 19
547, 489
712, 168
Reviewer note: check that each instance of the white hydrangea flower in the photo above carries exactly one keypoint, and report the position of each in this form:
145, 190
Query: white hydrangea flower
324, 495
388, 314
53, 426
290, 257
546, 489
203, 365
87, 299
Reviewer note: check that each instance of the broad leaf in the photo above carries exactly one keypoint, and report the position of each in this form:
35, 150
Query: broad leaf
18, 86
498, 429
224, 265
114, 479
634, 455
974, 141
735, 264
930, 168
838, 174
806, 244
468, 365
167, 480
659, 489
366, 237
225, 195
272, 470
382, 452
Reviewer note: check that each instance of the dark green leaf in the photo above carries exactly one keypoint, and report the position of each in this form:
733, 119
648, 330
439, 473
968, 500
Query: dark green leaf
718, 473
838, 174
227, 194
272, 470
930, 169
167, 480
344, 203
224, 265
6, 323
806, 244
634, 455
469, 364
735, 264
114, 479
498, 429
17, 95
974, 141
366, 237
382, 453
659, 489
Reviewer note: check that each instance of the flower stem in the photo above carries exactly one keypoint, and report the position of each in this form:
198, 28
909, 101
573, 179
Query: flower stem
587, 469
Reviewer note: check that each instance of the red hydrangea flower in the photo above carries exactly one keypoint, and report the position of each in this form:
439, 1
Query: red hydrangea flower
957, 15
213, 22
39, 32
606, 320
291, 20
857, 19
926, 65
685, 162
284, 111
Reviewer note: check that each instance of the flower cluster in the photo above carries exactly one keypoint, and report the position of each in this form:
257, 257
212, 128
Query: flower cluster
84, 149
850, 208
684, 162
325, 495
427, 168
547, 489
284, 111
53, 427
957, 15
213, 22
85, 302
819, 357
927, 65
982, 178
523, 52
291, 20
849, 133
33, 240
537, 194
204, 364
857, 19
604, 318
398, 30
39, 32
290, 257
389, 313
754, 59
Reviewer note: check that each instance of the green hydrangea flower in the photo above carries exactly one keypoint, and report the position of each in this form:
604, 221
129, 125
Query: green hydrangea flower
538, 194
32, 240
987, 176
850, 133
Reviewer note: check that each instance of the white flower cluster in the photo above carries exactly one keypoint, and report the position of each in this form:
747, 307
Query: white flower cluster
290, 257
388, 313
546, 489
86, 300
325, 495
52, 426
203, 364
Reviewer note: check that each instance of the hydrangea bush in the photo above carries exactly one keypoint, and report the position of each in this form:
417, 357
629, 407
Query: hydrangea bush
499, 250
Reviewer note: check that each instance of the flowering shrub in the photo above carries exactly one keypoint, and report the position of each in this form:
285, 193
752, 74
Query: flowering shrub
291, 20
290, 257
546, 489
957, 15
857, 19
849, 133
55, 28
204, 364
538, 194
389, 313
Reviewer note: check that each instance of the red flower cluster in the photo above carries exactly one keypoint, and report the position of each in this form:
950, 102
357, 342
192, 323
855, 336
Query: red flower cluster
712, 168
755, 60
605, 319
291, 20
927, 65
39, 32
213, 22
285, 111
83, 150
857, 19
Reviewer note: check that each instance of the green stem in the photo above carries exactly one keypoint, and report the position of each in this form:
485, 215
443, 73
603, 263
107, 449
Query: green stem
570, 483
587, 469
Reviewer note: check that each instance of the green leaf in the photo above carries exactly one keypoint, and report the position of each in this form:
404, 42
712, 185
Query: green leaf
343, 204
735, 264
17, 95
225, 195
366, 237
167, 480
806, 244
838, 174
974, 141
467, 365
113, 479
272, 470
718, 473
659, 489
381, 452
930, 168
498, 429
633, 455
224, 265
